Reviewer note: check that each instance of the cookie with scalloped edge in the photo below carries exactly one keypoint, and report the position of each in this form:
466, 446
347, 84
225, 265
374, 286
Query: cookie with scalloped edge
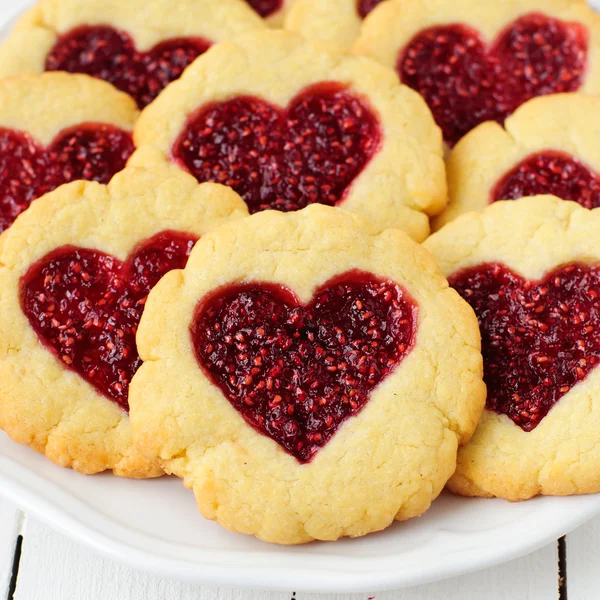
139, 46
76, 270
548, 146
301, 357
479, 61
531, 271
288, 122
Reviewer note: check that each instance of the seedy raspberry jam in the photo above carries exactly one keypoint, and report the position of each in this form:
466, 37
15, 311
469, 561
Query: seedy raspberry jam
297, 372
111, 55
466, 82
85, 306
27, 171
265, 8
364, 7
539, 338
282, 159
550, 172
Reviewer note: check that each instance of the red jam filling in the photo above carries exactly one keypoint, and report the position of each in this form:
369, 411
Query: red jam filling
364, 7
539, 338
466, 82
265, 8
282, 159
297, 372
85, 306
27, 171
550, 172
111, 55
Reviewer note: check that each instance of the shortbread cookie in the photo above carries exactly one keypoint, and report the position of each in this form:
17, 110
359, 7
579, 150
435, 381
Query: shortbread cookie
56, 128
531, 271
137, 45
549, 146
307, 378
77, 267
478, 61
335, 21
288, 122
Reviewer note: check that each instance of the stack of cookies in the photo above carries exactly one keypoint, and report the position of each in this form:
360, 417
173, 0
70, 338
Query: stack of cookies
217, 261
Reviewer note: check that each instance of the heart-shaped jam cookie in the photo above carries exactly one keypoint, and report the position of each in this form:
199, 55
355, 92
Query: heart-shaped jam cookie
297, 372
466, 81
78, 265
85, 306
550, 172
27, 170
310, 359
343, 132
530, 270
282, 159
548, 146
110, 54
539, 338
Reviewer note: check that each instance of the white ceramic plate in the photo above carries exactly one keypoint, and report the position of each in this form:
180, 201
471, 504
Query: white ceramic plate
154, 525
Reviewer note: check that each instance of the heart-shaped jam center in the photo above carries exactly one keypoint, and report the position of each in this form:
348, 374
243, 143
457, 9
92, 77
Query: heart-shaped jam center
297, 372
111, 55
364, 7
282, 159
466, 82
85, 306
550, 172
539, 338
28, 171
265, 8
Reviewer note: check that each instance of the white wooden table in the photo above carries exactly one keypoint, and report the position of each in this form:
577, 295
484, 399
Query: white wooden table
37, 563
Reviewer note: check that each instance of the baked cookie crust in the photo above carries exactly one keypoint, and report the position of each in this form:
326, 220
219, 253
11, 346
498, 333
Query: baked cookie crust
388, 462
401, 184
337, 21
567, 123
560, 456
43, 404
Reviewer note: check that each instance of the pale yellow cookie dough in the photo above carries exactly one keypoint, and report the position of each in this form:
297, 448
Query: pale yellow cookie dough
277, 18
148, 22
567, 123
388, 462
43, 404
45, 105
403, 182
561, 456
336, 21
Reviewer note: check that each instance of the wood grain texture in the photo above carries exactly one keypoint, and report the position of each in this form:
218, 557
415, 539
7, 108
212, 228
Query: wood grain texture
583, 562
54, 567
11, 525
533, 577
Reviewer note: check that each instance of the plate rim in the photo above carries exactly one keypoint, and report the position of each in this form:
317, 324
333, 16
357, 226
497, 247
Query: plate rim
313, 573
